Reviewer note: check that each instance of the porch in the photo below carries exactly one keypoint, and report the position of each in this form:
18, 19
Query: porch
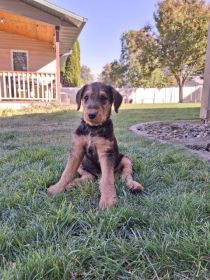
27, 86
34, 36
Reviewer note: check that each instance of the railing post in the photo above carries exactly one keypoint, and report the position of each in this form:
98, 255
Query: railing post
57, 47
4, 85
1, 86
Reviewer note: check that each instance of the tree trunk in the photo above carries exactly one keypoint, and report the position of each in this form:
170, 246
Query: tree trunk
180, 93
180, 84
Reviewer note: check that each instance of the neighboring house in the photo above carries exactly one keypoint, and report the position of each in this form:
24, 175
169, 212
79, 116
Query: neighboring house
34, 36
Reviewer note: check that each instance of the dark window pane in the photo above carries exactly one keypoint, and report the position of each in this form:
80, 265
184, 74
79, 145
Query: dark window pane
20, 61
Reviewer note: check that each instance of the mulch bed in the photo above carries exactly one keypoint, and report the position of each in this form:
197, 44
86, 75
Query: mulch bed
190, 134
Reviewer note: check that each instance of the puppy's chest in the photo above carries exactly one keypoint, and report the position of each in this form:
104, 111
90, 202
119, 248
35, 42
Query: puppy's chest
91, 149
96, 146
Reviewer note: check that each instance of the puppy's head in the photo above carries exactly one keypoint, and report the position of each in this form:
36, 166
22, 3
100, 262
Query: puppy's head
97, 100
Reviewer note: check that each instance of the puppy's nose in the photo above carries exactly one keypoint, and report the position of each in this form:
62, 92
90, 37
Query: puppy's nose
92, 116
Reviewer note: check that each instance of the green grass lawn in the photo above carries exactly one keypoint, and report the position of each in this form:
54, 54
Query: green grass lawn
162, 234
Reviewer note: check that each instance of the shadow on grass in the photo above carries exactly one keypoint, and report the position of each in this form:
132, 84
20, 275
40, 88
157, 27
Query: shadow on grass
137, 113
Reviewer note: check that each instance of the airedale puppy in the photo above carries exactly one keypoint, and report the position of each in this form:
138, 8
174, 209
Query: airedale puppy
94, 146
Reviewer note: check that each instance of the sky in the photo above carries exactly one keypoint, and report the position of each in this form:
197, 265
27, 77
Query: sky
106, 22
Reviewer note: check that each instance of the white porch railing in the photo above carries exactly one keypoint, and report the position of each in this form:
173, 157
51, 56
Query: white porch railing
27, 86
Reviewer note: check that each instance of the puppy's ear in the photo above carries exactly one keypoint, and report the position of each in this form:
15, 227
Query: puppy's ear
117, 97
79, 96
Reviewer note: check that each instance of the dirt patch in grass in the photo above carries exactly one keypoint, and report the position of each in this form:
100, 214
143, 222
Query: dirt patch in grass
190, 134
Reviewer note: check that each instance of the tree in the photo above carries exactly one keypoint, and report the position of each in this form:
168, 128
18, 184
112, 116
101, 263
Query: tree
138, 65
182, 37
86, 75
117, 74
137, 56
113, 73
105, 74
140, 60
72, 67
161, 78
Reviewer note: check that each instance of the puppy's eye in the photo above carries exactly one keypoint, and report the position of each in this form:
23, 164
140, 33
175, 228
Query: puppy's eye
103, 98
86, 97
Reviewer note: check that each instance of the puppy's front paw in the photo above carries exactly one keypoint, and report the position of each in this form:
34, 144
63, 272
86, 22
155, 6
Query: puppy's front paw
55, 189
135, 187
107, 202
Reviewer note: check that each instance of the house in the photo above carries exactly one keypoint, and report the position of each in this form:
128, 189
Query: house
35, 35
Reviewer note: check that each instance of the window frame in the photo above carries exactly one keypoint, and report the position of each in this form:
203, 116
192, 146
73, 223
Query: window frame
12, 59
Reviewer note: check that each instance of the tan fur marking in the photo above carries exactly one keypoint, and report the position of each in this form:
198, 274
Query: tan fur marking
102, 93
106, 186
102, 144
85, 176
77, 154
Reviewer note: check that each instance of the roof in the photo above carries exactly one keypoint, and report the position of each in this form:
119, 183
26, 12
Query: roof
54, 10
47, 14
70, 23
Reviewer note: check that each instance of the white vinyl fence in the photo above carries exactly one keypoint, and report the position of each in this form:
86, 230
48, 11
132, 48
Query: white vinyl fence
163, 95
141, 95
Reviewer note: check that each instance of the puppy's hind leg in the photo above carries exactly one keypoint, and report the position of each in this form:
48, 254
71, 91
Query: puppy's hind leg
85, 177
126, 173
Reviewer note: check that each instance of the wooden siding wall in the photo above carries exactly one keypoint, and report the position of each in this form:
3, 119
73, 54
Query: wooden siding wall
41, 56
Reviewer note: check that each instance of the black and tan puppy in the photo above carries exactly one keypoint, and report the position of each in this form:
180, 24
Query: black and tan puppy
94, 146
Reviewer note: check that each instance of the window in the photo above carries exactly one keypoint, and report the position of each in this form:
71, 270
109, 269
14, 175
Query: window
20, 60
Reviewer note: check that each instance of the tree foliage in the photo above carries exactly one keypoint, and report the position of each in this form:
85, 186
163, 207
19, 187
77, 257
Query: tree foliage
86, 75
104, 76
165, 57
137, 56
138, 65
113, 73
182, 37
72, 67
